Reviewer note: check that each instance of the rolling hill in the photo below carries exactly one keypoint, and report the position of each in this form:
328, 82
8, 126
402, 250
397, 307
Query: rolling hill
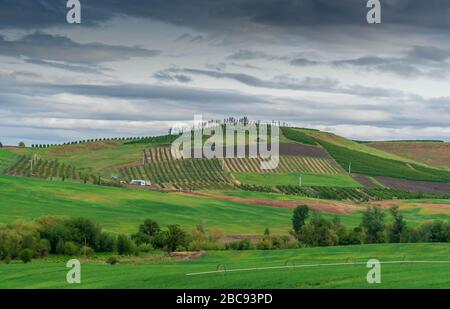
436, 154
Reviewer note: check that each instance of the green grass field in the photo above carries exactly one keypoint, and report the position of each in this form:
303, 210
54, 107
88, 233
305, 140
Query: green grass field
122, 209
271, 179
51, 273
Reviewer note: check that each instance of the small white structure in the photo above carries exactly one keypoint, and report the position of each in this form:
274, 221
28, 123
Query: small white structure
139, 182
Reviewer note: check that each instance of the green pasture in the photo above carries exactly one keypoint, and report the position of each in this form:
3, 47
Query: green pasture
51, 273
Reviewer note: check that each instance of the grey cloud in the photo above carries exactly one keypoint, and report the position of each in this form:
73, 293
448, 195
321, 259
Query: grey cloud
59, 48
326, 85
68, 67
198, 13
166, 75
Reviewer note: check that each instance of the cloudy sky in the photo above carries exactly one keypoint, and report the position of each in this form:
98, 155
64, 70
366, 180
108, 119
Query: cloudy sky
136, 67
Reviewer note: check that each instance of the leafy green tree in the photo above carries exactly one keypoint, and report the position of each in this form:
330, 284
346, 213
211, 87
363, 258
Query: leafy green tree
398, 227
125, 246
373, 224
175, 238
60, 247
299, 217
1, 145
150, 227
107, 243
21, 144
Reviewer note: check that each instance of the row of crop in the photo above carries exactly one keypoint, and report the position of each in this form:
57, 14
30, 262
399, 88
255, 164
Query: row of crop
287, 164
179, 173
48, 169
354, 194
158, 154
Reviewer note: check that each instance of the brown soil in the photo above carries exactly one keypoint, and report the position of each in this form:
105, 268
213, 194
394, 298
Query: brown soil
87, 146
188, 255
433, 154
416, 186
434, 206
385, 204
322, 206
364, 180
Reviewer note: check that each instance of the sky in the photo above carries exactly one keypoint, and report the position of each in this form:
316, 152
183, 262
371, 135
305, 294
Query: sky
137, 67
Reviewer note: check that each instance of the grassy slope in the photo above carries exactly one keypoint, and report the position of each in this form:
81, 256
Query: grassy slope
96, 156
52, 274
122, 210
352, 145
7, 158
270, 179
371, 161
430, 153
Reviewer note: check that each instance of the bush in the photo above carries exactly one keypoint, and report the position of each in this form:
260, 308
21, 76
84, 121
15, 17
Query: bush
60, 247
125, 246
197, 245
107, 243
42, 248
112, 260
264, 244
71, 248
145, 248
244, 244
87, 251
26, 255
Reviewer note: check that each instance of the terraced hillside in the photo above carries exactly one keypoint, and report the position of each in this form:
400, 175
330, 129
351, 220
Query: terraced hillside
180, 174
30, 166
361, 159
287, 164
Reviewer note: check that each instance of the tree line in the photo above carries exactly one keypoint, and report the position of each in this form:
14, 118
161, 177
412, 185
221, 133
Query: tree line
84, 237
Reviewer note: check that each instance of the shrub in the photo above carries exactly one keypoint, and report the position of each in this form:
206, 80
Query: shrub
125, 246
60, 247
26, 255
42, 248
145, 248
71, 248
107, 243
197, 245
244, 244
112, 260
264, 244
87, 251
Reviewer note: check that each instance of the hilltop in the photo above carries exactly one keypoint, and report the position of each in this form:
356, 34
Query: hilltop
310, 161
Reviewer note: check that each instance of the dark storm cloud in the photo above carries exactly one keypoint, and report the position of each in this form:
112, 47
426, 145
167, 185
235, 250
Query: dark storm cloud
212, 13
44, 46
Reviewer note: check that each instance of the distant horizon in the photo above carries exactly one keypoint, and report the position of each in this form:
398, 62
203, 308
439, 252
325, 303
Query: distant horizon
59, 143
